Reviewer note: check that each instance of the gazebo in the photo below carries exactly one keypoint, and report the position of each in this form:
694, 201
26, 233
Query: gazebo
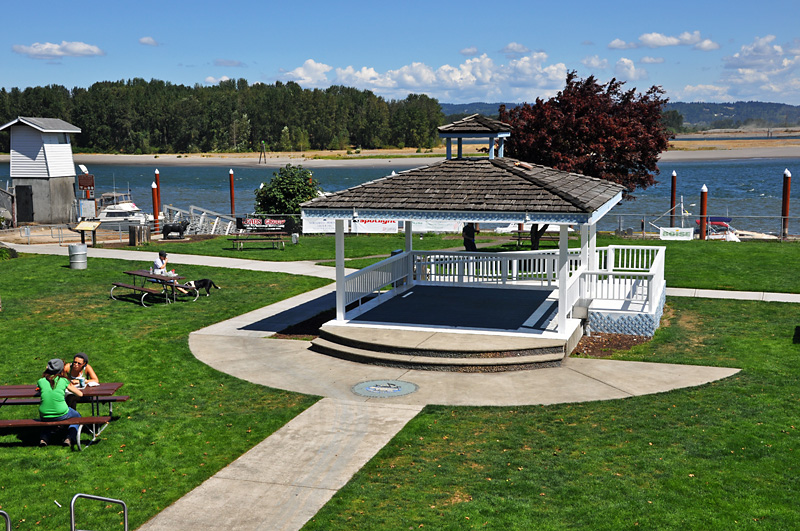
618, 285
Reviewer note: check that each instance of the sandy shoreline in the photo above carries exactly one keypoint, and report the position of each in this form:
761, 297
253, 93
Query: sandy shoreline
724, 150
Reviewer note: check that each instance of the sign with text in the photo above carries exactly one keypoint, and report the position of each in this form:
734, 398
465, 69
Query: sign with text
373, 226
85, 181
263, 224
676, 233
319, 226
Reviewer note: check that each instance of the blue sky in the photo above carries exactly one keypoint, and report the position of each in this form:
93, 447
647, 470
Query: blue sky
457, 52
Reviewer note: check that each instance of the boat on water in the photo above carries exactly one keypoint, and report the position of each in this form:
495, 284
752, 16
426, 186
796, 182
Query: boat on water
117, 211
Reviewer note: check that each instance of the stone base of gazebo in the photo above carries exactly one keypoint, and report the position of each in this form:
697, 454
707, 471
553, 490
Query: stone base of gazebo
440, 350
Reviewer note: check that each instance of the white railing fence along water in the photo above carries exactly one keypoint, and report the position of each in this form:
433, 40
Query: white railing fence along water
201, 220
623, 273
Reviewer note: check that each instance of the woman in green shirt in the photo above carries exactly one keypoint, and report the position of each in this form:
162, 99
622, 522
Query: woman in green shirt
53, 384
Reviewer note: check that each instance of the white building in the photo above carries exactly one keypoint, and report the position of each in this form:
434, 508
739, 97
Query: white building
42, 169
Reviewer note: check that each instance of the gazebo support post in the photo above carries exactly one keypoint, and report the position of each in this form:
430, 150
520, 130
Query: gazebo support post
340, 285
563, 277
592, 263
409, 228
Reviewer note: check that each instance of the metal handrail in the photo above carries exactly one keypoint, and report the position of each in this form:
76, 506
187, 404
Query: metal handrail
7, 519
99, 498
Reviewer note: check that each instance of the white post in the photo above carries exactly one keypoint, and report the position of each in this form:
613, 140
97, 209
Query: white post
563, 278
409, 228
340, 286
584, 250
491, 148
593, 246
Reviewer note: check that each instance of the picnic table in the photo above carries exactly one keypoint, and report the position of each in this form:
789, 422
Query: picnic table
275, 238
96, 396
168, 286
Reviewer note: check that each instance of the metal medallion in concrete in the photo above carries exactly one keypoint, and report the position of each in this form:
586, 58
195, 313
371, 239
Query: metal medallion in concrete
384, 388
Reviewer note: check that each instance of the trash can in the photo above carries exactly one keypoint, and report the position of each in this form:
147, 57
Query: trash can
77, 256
295, 238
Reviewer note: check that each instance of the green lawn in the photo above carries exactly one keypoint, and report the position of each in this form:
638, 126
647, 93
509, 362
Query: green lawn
720, 456
184, 422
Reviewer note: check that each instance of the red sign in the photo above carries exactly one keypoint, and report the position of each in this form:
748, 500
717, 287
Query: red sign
85, 181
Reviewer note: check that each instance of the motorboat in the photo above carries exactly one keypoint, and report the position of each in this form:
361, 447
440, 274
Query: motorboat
118, 211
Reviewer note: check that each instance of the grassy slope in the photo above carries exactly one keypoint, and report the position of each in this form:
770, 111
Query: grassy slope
184, 421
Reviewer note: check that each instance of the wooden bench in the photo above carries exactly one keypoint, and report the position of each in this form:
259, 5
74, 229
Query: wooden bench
277, 239
110, 400
144, 291
36, 423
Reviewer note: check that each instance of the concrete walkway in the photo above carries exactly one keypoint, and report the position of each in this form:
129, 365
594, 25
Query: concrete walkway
284, 480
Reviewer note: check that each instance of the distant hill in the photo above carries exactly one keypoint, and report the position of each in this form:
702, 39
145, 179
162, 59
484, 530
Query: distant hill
737, 114
459, 110
695, 115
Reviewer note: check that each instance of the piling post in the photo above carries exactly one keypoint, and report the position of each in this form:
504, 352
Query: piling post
158, 194
787, 188
154, 188
703, 211
672, 200
233, 205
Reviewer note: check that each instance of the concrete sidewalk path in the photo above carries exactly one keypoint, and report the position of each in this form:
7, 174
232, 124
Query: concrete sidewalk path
282, 482
309, 268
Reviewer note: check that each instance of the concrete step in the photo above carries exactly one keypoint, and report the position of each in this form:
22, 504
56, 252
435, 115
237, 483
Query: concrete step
486, 362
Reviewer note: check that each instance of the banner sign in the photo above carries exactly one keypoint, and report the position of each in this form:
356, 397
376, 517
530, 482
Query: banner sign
373, 226
437, 226
676, 233
319, 226
266, 224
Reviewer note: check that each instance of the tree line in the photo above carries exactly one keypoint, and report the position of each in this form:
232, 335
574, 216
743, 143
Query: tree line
138, 116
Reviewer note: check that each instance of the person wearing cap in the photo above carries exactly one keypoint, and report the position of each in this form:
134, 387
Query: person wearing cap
79, 373
53, 385
160, 263
160, 267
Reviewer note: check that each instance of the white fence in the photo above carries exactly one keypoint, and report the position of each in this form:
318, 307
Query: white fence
623, 273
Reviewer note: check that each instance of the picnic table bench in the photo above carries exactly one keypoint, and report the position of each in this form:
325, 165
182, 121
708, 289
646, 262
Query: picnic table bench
521, 236
19, 395
277, 239
168, 286
80, 421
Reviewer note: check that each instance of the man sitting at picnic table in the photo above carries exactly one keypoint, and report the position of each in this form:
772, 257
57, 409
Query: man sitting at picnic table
52, 385
79, 373
160, 268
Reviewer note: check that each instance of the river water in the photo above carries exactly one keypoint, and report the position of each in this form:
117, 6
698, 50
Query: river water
749, 191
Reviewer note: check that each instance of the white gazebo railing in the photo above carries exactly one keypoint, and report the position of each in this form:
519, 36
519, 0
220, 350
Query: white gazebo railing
622, 273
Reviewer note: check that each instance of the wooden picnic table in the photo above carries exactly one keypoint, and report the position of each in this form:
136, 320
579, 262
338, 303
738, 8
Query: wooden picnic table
168, 285
276, 238
96, 395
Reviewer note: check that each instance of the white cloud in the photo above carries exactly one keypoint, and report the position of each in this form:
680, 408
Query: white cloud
469, 52
764, 67
148, 41
646, 60
619, 44
363, 78
595, 62
48, 50
706, 45
705, 93
659, 40
211, 80
311, 73
626, 70
228, 63
514, 49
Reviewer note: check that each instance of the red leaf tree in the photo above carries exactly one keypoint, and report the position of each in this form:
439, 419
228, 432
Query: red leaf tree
593, 129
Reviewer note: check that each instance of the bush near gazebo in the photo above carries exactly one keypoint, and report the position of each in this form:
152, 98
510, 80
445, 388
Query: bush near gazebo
289, 187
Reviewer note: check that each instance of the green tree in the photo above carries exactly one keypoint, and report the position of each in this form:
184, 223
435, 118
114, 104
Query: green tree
290, 186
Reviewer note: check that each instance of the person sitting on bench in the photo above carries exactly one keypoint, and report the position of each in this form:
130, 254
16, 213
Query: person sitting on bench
52, 385
160, 268
79, 373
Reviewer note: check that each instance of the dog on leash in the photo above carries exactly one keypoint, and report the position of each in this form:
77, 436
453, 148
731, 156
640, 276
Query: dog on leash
203, 283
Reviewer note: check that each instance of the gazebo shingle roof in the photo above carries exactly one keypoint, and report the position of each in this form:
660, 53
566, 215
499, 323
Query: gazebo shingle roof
475, 124
488, 186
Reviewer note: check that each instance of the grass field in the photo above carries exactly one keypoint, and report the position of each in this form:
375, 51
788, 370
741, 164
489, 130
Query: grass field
719, 456
184, 420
